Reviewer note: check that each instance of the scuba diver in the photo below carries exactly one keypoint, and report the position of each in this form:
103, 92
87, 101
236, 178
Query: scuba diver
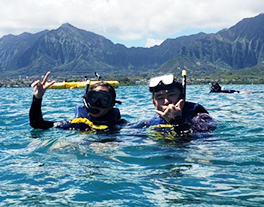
97, 113
216, 88
168, 97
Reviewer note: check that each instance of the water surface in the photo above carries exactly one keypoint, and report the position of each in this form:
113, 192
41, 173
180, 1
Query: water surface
70, 168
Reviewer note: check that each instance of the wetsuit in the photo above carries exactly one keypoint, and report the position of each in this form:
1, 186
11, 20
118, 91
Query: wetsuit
82, 121
195, 118
223, 91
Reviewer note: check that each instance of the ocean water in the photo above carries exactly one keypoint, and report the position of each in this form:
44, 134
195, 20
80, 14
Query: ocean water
132, 168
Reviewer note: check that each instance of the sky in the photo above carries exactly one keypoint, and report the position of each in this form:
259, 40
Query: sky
133, 23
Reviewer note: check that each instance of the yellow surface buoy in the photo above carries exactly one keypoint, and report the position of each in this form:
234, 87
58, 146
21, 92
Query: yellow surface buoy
80, 84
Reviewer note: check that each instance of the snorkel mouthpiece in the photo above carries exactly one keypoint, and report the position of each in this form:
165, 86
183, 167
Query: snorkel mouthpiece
92, 110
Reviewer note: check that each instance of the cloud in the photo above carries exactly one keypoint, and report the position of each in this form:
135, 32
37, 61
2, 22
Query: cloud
126, 20
150, 42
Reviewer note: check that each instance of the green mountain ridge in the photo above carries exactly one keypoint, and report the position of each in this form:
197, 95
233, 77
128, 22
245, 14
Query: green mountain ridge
69, 51
234, 49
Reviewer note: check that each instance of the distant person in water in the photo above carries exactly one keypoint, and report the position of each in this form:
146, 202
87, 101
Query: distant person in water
97, 76
85, 78
216, 88
172, 109
97, 112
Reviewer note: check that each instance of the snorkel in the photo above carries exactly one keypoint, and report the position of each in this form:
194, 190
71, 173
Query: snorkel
184, 73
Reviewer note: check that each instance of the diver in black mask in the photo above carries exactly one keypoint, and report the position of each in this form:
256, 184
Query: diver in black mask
97, 113
99, 101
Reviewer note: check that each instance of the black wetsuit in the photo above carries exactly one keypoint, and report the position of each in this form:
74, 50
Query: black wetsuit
222, 91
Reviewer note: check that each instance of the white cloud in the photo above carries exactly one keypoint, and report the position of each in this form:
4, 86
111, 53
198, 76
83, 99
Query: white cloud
151, 42
126, 20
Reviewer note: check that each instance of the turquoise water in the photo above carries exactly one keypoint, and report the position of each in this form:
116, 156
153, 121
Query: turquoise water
69, 168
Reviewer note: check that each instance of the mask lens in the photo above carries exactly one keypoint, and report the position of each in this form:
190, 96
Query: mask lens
104, 101
165, 79
99, 99
154, 81
93, 98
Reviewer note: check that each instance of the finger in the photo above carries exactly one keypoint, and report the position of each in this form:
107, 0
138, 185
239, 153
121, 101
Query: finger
161, 113
165, 115
45, 78
35, 83
180, 104
49, 84
170, 107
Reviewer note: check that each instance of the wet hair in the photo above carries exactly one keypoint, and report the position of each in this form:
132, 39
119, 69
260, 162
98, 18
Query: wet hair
110, 88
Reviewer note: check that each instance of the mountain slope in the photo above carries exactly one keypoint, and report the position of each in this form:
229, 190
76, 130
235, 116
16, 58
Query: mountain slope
238, 47
68, 51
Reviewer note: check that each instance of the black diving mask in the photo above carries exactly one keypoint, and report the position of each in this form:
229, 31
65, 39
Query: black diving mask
99, 99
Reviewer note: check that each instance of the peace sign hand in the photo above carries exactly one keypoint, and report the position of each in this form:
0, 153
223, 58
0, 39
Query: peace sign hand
41, 87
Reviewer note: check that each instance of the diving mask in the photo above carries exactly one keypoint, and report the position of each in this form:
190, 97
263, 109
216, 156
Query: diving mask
165, 82
99, 99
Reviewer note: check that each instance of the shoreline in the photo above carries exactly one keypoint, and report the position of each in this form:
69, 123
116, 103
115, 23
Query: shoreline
11, 83
15, 83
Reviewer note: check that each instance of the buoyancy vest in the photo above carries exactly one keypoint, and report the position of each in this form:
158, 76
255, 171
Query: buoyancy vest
84, 121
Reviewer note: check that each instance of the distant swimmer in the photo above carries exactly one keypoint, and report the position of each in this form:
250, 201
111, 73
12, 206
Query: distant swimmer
216, 88
98, 77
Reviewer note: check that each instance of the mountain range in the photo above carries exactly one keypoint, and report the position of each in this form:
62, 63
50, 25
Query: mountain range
69, 51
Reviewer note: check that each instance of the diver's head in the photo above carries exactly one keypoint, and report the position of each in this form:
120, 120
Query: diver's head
165, 90
99, 99
215, 87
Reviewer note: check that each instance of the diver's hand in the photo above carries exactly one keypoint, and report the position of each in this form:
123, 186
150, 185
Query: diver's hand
41, 87
171, 111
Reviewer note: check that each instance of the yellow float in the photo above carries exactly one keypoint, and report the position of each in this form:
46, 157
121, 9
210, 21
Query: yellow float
80, 84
